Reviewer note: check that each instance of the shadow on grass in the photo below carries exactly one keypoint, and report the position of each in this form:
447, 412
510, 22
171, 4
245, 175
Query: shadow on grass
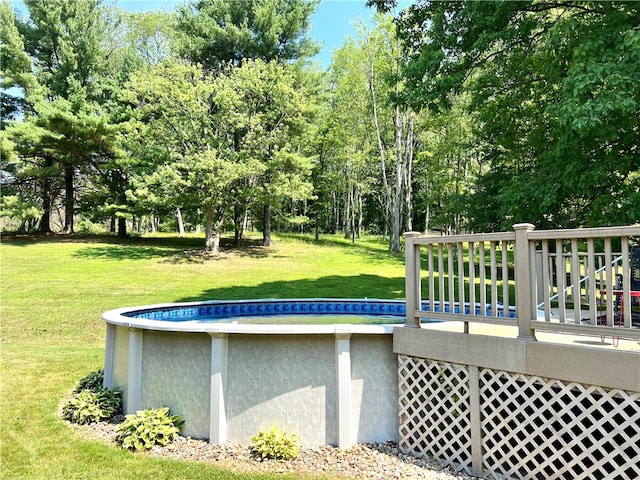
191, 249
170, 242
334, 286
249, 248
171, 250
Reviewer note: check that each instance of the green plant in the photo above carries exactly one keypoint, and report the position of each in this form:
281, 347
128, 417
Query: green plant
147, 428
86, 226
275, 444
92, 381
88, 406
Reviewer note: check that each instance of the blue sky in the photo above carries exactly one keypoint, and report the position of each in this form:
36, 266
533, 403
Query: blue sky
333, 22
330, 25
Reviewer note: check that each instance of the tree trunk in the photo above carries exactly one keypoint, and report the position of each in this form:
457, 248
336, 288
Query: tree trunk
180, 222
266, 226
360, 214
45, 220
240, 216
426, 218
386, 205
122, 227
212, 230
352, 219
408, 183
69, 205
396, 201
245, 220
336, 212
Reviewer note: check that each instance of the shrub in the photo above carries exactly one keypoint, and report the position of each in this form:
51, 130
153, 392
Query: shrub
86, 226
147, 428
88, 406
93, 381
275, 444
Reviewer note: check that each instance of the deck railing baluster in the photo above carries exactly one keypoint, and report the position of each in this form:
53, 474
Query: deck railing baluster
493, 272
575, 280
472, 278
431, 278
589, 266
505, 274
546, 281
483, 281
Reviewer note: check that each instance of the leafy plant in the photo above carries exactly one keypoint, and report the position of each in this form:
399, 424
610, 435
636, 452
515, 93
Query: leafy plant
147, 428
88, 406
275, 444
92, 381
86, 226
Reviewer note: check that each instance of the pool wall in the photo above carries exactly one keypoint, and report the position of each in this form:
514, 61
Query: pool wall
329, 384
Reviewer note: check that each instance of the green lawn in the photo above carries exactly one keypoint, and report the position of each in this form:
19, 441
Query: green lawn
54, 290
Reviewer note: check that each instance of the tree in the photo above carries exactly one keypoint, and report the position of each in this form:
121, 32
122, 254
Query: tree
16, 78
446, 168
148, 35
395, 140
222, 34
367, 141
135, 41
216, 33
192, 119
75, 131
62, 41
274, 115
344, 174
555, 92
17, 200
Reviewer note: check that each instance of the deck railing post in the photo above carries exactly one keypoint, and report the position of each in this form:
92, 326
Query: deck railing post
412, 279
524, 286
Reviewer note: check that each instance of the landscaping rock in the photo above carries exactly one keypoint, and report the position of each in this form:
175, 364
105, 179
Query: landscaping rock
376, 461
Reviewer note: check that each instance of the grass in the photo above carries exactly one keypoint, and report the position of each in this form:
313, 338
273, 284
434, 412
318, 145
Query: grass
54, 290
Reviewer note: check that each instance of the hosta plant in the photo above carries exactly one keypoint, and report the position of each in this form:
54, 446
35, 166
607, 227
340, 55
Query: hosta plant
275, 444
147, 428
92, 381
89, 406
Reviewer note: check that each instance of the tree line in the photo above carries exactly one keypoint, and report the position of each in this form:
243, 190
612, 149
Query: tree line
450, 116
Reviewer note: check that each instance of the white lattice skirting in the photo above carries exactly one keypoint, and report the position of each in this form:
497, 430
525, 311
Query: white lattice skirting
507, 425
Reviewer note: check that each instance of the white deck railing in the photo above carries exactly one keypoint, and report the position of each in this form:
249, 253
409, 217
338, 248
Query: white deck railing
563, 281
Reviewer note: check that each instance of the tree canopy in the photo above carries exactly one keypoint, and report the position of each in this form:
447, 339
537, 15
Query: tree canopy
216, 33
450, 116
555, 95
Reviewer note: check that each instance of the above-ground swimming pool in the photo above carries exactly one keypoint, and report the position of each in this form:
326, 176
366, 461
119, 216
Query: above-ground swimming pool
323, 369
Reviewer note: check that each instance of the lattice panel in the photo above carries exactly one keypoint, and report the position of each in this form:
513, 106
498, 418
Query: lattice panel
535, 428
434, 411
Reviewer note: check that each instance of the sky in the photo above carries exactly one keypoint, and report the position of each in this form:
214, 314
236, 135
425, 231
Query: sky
331, 24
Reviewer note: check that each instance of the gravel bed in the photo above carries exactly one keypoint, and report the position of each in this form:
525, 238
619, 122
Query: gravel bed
363, 461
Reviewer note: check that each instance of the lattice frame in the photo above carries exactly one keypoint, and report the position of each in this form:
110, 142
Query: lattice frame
530, 427
434, 411
543, 428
